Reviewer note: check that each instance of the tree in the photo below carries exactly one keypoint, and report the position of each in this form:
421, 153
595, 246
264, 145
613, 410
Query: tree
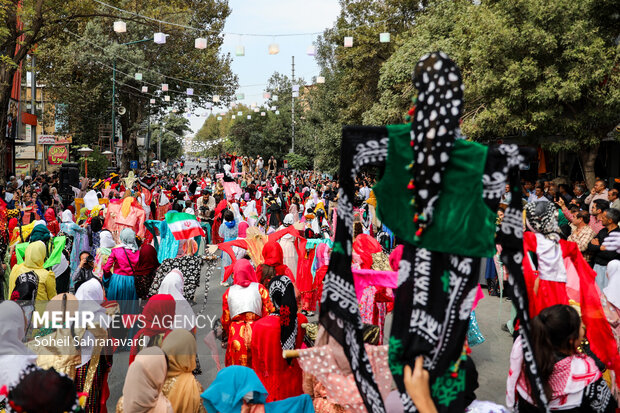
27, 24
543, 71
352, 74
97, 164
171, 135
78, 68
268, 135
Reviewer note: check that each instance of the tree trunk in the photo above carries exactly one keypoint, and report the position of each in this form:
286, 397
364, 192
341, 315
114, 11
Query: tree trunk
588, 159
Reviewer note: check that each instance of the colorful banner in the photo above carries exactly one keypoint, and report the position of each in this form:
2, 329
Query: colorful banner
57, 154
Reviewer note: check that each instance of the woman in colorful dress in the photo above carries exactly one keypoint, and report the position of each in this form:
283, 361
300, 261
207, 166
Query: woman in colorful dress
277, 332
242, 304
570, 378
118, 273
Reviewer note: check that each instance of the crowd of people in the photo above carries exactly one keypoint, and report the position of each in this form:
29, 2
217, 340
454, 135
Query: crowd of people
129, 245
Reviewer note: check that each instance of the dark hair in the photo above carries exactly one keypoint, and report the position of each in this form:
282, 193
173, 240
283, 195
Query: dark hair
584, 215
268, 272
44, 391
228, 215
554, 330
613, 214
601, 204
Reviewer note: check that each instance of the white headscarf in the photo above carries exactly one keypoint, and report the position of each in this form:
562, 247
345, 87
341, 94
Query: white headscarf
236, 212
14, 355
106, 240
66, 216
90, 296
612, 291
173, 284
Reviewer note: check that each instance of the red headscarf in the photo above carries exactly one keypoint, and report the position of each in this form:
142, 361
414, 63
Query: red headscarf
155, 310
274, 257
365, 245
243, 273
12, 225
243, 229
49, 215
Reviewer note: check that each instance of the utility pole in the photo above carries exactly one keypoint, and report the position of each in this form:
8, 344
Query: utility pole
113, 107
293, 106
161, 136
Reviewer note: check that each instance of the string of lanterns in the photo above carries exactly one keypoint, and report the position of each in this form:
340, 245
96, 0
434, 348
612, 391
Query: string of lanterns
201, 42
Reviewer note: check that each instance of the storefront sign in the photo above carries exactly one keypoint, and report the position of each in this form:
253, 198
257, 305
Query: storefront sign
24, 152
54, 139
57, 154
22, 168
46, 139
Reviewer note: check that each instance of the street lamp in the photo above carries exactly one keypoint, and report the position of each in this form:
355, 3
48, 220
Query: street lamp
85, 152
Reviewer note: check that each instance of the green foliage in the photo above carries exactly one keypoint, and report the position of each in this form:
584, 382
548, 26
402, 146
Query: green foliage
97, 164
268, 135
78, 70
297, 161
171, 135
542, 70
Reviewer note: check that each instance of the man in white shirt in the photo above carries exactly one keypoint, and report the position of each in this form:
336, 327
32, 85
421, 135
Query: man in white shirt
538, 195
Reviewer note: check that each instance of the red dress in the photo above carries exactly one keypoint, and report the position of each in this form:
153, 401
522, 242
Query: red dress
239, 330
281, 379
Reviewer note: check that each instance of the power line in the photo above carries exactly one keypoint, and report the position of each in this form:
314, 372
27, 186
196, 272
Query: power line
189, 82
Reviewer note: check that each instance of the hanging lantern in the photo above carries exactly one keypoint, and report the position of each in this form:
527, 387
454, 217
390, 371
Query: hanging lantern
190, 91
249, 116
240, 51
295, 94
311, 50
274, 48
348, 41
277, 112
145, 89
200, 43
120, 26
320, 79
295, 88
188, 101
274, 108
384, 37
239, 113
159, 38
138, 76
219, 118
240, 96
253, 105
164, 87
266, 95
152, 101
167, 98
233, 117
216, 98
274, 98
256, 110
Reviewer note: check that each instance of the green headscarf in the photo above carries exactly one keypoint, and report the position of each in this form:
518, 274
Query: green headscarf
40, 233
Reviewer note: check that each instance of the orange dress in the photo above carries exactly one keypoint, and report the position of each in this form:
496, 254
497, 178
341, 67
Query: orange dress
239, 329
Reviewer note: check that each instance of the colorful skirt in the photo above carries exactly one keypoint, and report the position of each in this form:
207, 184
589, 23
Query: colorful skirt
122, 289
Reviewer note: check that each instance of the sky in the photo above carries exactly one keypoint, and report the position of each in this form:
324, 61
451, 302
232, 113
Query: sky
271, 17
